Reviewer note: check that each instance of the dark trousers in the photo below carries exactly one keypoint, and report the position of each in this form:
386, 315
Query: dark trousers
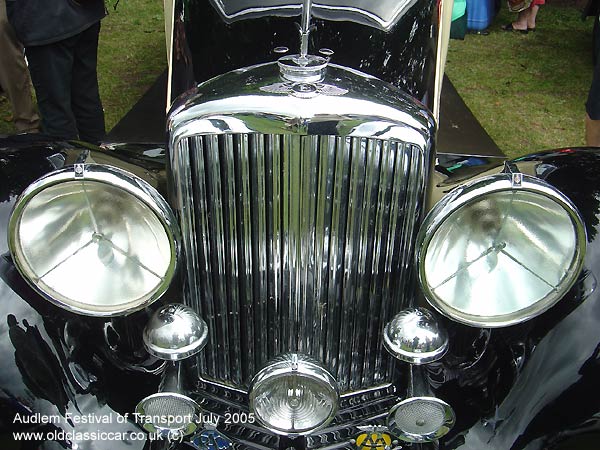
66, 86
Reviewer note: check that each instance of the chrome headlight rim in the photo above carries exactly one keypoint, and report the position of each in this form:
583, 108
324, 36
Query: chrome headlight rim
471, 192
114, 177
448, 423
305, 366
174, 432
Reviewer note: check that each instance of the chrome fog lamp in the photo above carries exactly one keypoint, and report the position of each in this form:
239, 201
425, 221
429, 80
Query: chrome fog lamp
175, 332
414, 336
294, 395
500, 250
94, 240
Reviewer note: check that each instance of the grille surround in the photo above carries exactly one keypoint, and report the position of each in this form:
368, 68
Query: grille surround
298, 218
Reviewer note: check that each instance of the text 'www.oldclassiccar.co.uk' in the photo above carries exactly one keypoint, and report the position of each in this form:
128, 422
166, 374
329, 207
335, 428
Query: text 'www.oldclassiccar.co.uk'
80, 427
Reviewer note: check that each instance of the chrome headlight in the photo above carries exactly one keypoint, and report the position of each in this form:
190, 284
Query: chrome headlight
500, 250
294, 395
94, 240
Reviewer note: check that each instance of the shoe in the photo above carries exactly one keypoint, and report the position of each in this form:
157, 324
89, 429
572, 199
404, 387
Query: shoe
531, 29
509, 27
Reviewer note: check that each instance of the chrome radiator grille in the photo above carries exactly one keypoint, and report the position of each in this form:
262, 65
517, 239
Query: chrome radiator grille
297, 243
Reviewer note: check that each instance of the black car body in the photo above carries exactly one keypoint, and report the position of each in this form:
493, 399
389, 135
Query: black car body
297, 229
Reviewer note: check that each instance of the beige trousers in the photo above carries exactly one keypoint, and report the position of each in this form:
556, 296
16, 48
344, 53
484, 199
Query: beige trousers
14, 77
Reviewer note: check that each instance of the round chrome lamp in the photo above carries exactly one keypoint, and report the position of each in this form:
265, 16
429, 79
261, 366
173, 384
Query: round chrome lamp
174, 333
294, 396
500, 250
95, 240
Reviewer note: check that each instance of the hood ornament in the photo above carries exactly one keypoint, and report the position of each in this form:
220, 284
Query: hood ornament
303, 68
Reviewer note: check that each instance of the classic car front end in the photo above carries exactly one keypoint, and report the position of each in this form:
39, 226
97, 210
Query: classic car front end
293, 270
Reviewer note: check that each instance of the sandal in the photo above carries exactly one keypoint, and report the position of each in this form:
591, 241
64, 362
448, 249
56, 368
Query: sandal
509, 27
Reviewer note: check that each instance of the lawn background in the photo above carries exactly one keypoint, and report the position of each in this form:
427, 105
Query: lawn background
131, 55
528, 91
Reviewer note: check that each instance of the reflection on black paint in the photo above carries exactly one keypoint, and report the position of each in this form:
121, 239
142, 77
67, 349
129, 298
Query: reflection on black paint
404, 57
40, 369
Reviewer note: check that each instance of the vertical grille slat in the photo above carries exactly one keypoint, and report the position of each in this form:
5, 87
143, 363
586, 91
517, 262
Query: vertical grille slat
197, 245
352, 256
322, 240
273, 158
382, 220
338, 232
219, 245
309, 333
297, 243
365, 271
258, 253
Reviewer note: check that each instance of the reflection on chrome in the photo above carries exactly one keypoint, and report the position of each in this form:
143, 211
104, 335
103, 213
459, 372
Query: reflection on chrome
415, 337
175, 332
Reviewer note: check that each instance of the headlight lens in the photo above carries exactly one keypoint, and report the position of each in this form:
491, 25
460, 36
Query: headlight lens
500, 251
94, 239
294, 396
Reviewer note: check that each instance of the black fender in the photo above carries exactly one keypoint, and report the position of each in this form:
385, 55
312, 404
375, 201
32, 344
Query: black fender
534, 385
74, 379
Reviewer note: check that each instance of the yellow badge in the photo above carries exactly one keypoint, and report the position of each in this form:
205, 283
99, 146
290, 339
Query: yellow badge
374, 441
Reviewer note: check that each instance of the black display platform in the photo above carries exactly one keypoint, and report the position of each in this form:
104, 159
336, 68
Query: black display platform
459, 132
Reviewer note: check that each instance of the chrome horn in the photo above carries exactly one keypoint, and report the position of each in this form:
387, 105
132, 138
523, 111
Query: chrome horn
175, 332
414, 336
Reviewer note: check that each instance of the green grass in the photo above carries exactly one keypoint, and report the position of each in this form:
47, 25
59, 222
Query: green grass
131, 54
528, 91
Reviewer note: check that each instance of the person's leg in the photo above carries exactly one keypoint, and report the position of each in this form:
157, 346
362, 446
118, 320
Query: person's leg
520, 24
50, 67
14, 77
592, 132
533, 10
592, 109
85, 96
